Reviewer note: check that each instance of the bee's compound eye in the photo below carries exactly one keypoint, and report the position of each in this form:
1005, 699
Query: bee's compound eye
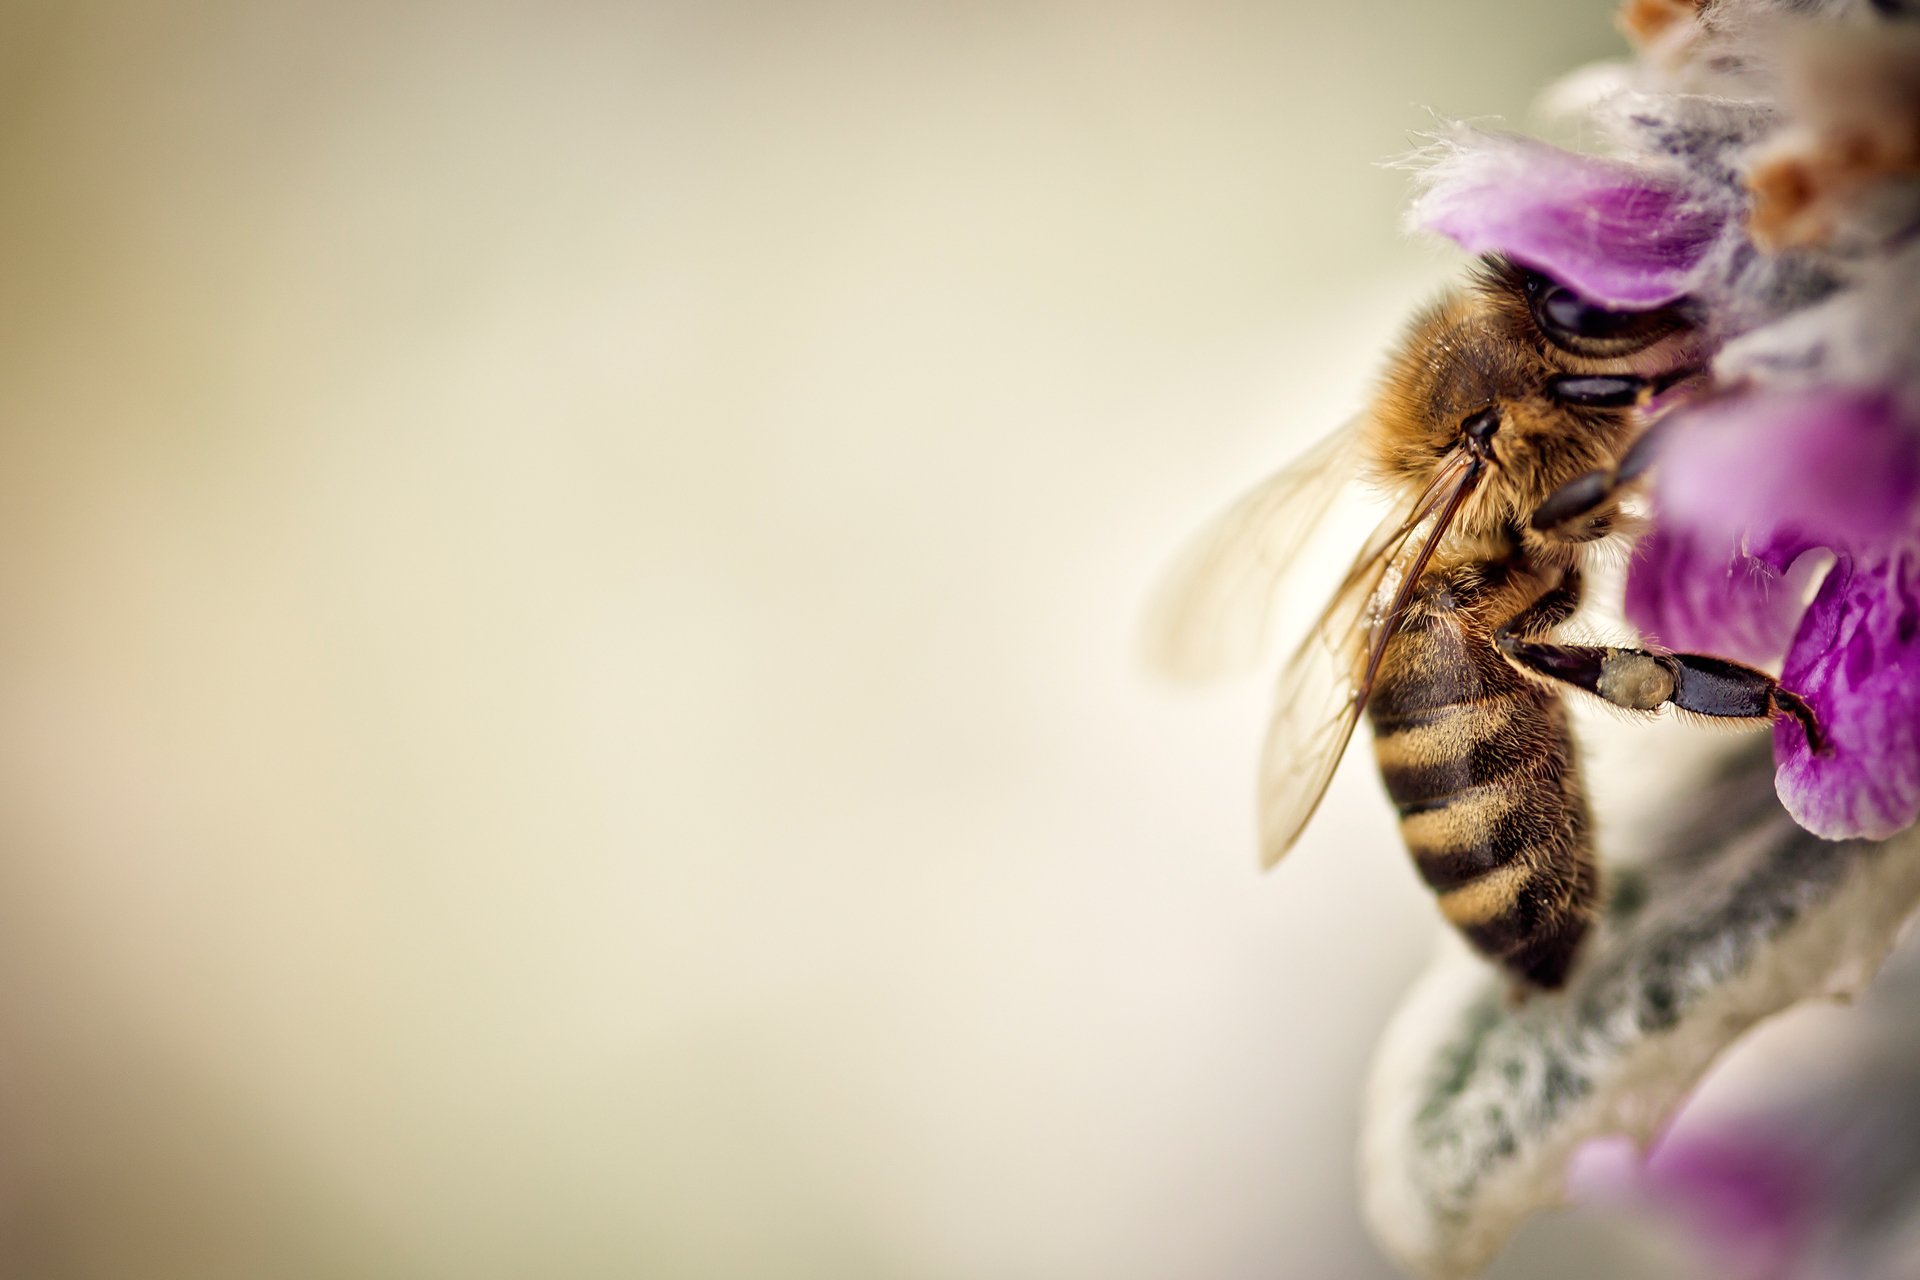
1565, 314
1566, 311
1573, 323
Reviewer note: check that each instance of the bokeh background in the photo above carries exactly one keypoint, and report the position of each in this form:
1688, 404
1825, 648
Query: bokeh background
568, 584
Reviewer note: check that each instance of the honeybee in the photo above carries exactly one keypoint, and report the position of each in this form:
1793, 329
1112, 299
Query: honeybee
1506, 426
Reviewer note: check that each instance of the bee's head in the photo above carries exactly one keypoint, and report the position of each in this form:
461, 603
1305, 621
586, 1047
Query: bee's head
1519, 373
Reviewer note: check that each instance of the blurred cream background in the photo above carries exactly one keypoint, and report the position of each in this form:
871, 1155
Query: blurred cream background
568, 575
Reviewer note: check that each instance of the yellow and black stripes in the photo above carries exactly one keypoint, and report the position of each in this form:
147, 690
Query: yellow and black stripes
1479, 762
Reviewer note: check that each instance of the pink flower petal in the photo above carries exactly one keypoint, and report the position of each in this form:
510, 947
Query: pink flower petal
1702, 594
1856, 660
1744, 1188
1831, 467
1619, 234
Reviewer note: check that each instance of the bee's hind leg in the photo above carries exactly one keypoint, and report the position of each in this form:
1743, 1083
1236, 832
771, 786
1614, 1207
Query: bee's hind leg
1642, 681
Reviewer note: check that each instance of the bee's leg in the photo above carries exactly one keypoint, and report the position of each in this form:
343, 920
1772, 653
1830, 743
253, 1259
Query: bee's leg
1643, 681
1574, 512
1598, 390
1547, 612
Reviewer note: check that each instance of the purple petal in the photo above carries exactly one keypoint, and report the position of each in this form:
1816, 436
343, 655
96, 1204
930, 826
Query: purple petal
1856, 660
1621, 235
1737, 1185
1703, 594
1754, 1197
1836, 467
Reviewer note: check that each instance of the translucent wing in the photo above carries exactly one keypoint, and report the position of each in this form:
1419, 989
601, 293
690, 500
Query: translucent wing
1325, 684
1212, 613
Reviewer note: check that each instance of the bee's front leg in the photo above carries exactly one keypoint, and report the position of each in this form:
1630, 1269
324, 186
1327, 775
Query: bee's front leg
1578, 511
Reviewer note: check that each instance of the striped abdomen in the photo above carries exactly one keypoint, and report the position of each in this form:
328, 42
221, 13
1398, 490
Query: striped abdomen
1481, 765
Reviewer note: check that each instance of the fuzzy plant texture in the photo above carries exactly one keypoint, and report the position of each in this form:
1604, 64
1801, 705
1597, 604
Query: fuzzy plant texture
1758, 162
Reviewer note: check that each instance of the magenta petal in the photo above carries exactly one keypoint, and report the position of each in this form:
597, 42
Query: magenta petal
1704, 595
1838, 467
1621, 235
1755, 1191
1856, 660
